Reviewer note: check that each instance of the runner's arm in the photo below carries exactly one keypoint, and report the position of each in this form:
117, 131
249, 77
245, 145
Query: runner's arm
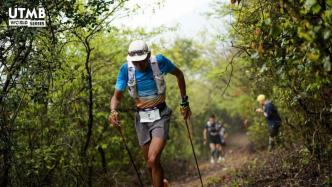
115, 100
205, 134
181, 81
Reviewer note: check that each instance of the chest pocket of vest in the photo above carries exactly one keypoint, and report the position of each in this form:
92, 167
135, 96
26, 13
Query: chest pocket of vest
160, 82
157, 76
131, 80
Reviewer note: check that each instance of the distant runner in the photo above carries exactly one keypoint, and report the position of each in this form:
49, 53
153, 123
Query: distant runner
212, 132
272, 117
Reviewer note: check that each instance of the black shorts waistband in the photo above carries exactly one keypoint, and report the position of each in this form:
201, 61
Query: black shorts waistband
160, 106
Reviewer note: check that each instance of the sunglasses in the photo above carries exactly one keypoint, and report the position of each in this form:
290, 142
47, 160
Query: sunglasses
137, 53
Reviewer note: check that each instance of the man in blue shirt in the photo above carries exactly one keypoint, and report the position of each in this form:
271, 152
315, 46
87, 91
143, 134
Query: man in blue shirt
272, 117
143, 74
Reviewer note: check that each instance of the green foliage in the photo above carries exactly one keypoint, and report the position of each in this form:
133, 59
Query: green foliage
283, 167
285, 49
258, 135
58, 99
56, 83
213, 181
52, 79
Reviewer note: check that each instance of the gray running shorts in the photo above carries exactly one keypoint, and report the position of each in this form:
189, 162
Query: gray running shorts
159, 128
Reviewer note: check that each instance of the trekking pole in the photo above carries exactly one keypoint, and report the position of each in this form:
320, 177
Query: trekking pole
131, 158
192, 147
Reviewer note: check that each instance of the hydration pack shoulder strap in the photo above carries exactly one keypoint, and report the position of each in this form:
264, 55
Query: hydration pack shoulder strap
155, 66
158, 77
131, 80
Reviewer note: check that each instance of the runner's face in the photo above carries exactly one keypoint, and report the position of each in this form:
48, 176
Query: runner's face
141, 65
212, 120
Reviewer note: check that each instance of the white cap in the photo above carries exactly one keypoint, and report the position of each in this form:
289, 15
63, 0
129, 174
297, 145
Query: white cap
141, 49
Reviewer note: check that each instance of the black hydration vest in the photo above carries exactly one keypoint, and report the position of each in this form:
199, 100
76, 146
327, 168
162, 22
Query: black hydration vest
213, 129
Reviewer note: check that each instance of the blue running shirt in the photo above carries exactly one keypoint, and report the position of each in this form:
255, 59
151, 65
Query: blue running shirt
146, 86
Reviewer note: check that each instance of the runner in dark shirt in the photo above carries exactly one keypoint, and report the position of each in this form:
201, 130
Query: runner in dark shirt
272, 118
212, 134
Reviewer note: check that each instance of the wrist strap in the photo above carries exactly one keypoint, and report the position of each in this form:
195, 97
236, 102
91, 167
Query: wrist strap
184, 101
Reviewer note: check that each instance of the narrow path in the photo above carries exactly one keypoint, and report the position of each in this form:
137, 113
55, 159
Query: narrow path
237, 153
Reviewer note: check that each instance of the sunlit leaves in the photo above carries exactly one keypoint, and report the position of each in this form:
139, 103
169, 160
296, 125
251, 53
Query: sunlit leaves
290, 51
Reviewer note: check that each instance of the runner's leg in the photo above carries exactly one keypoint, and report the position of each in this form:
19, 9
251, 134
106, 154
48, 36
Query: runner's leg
218, 149
145, 149
212, 149
153, 161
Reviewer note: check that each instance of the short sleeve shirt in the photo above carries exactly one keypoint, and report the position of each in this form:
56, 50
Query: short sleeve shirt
273, 118
146, 85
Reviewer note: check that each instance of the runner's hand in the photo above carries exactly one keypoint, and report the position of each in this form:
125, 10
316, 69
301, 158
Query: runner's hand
259, 110
185, 111
204, 142
113, 119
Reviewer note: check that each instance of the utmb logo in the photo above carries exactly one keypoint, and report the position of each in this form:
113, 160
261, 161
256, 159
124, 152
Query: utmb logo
27, 17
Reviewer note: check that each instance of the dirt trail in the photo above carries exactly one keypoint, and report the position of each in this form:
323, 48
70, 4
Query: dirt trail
237, 153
